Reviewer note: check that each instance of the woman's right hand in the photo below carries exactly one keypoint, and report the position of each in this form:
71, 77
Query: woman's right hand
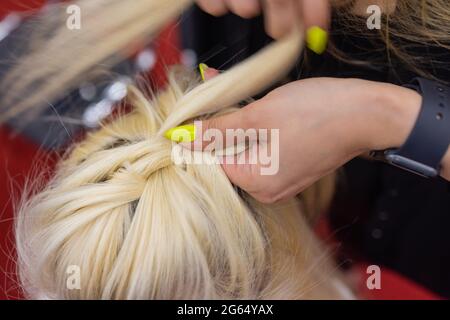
280, 15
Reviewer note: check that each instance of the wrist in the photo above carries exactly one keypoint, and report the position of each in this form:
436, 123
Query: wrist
391, 113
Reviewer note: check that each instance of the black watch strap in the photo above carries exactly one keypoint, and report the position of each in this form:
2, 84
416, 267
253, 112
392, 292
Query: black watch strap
429, 140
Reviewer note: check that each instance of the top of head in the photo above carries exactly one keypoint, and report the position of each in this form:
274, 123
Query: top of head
134, 225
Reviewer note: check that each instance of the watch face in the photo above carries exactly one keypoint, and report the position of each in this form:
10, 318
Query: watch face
411, 165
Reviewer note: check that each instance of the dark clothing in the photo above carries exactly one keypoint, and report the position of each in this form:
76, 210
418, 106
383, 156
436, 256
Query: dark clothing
390, 217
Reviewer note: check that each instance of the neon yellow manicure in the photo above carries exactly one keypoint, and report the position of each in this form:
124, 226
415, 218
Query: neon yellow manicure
317, 39
203, 67
184, 133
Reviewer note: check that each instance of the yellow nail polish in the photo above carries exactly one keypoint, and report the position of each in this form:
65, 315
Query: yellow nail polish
317, 39
184, 133
203, 67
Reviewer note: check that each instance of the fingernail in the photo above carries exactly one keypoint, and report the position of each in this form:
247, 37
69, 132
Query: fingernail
184, 133
317, 39
203, 68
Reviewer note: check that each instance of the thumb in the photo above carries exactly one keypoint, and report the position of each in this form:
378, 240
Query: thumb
215, 131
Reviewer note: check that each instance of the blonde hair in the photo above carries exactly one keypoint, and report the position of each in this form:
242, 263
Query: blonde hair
406, 29
138, 226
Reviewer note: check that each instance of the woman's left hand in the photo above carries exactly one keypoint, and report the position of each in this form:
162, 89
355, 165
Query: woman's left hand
323, 123
280, 15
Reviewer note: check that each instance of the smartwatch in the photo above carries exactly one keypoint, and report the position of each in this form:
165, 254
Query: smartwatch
429, 140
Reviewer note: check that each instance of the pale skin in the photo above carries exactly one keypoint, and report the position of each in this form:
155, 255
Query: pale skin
323, 123
280, 15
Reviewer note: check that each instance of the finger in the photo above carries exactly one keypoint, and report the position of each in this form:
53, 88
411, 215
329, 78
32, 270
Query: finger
244, 9
244, 172
280, 16
213, 7
316, 17
211, 73
241, 171
315, 13
206, 72
213, 132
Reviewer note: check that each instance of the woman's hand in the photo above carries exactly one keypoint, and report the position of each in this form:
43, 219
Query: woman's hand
322, 123
280, 15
